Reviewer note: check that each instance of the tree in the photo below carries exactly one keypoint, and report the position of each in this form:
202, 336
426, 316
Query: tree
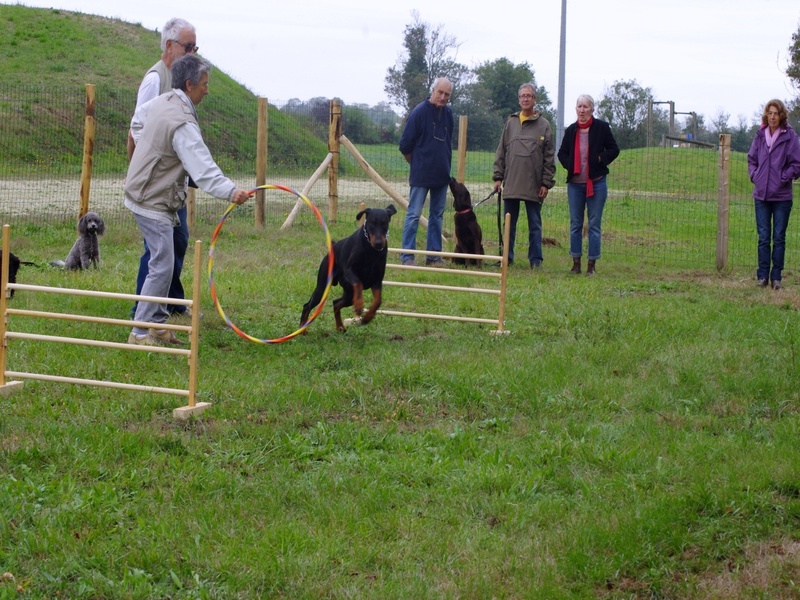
500, 80
719, 124
490, 96
793, 72
742, 135
427, 56
625, 107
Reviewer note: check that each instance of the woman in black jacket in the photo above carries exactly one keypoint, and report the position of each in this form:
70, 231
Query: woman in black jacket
586, 151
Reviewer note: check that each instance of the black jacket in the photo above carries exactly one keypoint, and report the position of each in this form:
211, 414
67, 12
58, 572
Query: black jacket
603, 149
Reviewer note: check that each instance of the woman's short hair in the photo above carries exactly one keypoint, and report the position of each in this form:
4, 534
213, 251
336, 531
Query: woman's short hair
783, 114
586, 98
188, 67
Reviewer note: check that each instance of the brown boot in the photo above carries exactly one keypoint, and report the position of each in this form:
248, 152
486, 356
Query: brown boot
576, 265
590, 268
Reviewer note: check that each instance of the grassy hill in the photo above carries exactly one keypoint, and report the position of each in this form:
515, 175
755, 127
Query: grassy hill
49, 51
47, 56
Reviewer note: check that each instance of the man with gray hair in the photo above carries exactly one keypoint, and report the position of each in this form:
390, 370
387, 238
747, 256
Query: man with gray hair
427, 145
169, 149
178, 38
525, 168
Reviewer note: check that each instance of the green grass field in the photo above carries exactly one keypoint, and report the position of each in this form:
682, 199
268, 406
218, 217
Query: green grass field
634, 436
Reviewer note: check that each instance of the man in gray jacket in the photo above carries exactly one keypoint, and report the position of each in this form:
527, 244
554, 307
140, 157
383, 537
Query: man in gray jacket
169, 147
525, 167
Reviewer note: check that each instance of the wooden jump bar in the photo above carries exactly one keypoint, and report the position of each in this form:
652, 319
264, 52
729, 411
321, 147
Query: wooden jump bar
100, 320
399, 313
452, 288
96, 294
97, 343
98, 383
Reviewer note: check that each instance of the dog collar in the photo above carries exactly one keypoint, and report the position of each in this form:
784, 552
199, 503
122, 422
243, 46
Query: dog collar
466, 210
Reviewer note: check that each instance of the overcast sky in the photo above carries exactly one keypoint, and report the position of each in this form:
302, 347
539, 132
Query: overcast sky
705, 55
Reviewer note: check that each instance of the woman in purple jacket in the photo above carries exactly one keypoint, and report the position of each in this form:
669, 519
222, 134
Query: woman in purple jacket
773, 161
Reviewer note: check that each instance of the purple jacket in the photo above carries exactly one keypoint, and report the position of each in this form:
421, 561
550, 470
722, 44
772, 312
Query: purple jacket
772, 172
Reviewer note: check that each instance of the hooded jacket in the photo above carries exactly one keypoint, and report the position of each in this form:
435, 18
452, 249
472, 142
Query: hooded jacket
525, 158
772, 171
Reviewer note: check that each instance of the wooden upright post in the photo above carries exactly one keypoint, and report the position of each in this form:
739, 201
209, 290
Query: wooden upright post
723, 199
461, 165
334, 131
88, 150
261, 159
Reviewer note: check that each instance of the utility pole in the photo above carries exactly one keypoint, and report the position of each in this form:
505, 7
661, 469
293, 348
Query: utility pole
562, 59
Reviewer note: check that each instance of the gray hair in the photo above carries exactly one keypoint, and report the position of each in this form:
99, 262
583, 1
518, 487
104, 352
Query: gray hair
586, 98
529, 86
172, 30
439, 80
188, 67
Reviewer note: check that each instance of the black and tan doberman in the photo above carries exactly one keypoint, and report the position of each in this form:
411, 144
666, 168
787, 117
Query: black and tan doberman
359, 262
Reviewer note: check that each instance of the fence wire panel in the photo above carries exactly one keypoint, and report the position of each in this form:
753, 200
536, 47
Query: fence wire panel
662, 204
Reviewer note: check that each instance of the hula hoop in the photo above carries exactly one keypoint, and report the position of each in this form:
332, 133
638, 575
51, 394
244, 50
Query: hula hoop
321, 304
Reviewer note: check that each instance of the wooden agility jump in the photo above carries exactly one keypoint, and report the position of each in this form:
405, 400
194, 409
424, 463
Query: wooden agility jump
193, 407
500, 291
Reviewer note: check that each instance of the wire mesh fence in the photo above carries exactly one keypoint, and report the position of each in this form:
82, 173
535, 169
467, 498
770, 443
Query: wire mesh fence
671, 222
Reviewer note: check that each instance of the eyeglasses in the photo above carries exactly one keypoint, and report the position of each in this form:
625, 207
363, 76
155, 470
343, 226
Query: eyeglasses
521, 96
190, 47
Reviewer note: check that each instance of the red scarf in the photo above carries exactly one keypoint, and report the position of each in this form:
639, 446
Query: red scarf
577, 165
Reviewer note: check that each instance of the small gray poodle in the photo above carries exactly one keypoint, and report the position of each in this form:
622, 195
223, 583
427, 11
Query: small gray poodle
86, 250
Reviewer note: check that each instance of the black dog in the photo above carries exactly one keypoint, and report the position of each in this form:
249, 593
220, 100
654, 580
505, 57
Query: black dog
359, 262
13, 267
469, 237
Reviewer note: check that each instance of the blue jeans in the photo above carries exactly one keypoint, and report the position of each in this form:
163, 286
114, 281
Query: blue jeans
159, 237
416, 199
578, 203
772, 219
180, 239
534, 211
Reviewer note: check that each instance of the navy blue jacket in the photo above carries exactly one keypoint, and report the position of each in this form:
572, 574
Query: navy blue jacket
428, 138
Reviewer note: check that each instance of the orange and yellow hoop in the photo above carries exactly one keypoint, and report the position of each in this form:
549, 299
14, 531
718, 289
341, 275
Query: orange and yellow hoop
321, 304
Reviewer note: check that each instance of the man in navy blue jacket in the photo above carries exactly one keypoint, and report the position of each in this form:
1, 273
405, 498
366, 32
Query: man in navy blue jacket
426, 144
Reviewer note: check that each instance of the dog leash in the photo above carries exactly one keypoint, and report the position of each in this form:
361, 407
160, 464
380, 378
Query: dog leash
485, 199
500, 220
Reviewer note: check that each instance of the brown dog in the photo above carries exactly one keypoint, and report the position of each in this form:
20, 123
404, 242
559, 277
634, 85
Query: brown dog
469, 237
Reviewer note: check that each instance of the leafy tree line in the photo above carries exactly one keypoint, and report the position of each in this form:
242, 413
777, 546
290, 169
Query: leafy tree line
487, 95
